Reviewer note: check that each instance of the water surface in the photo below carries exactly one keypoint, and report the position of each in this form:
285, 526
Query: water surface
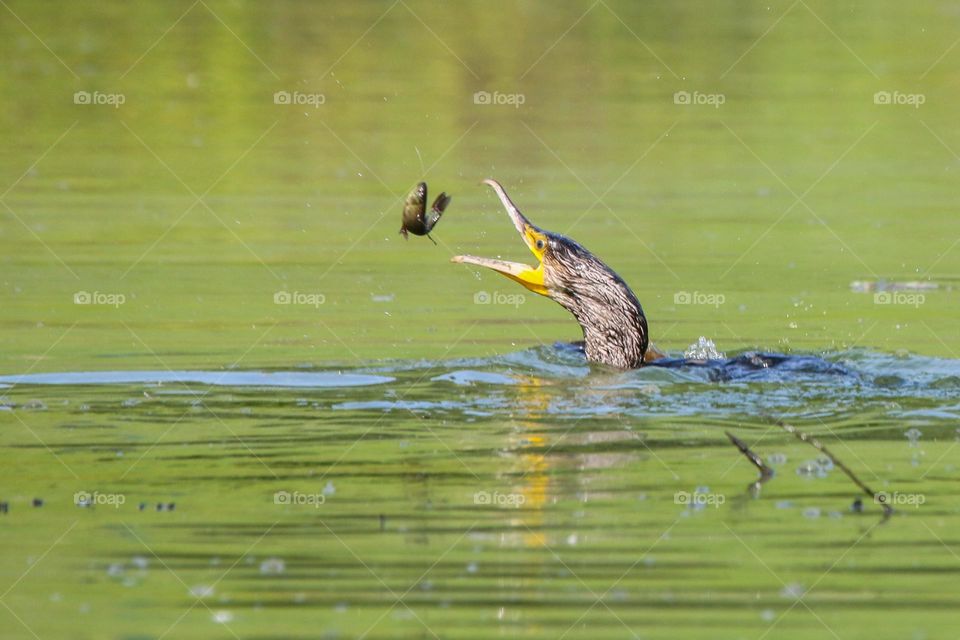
206, 306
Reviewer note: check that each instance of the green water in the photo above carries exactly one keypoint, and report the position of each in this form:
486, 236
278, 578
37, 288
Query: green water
397, 400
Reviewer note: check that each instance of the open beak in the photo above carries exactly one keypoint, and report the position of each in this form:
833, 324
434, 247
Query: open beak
529, 277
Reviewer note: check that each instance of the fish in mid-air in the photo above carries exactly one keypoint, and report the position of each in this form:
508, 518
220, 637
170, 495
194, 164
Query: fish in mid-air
416, 220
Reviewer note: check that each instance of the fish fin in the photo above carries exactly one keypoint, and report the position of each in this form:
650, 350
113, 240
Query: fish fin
441, 204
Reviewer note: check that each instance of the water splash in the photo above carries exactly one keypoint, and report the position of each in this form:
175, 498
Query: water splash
703, 349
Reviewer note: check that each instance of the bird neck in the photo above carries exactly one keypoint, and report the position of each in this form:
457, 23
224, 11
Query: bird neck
613, 323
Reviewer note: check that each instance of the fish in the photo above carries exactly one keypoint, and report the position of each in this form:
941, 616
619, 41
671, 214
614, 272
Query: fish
416, 220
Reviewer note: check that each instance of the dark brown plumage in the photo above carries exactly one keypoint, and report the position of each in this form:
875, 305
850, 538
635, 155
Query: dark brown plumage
612, 319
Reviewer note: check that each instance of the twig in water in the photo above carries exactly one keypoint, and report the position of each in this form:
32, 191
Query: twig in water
816, 444
765, 472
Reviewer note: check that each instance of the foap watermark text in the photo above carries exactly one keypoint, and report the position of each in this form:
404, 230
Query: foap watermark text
497, 499
299, 297
299, 499
99, 298
699, 297
98, 98
496, 98
898, 98
299, 99
899, 297
686, 98
96, 499
497, 297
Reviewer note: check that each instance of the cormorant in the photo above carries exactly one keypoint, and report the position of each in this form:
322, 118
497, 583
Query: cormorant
614, 326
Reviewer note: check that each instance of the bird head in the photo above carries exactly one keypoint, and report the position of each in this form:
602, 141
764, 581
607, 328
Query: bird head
614, 326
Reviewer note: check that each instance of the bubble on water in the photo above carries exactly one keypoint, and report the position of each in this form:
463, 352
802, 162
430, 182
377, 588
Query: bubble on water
115, 570
202, 591
777, 458
811, 513
783, 504
815, 468
140, 562
35, 405
472, 567
130, 402
913, 436
572, 539
222, 617
703, 349
272, 566
329, 489
792, 591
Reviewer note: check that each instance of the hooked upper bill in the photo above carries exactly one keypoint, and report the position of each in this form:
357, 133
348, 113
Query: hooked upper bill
535, 239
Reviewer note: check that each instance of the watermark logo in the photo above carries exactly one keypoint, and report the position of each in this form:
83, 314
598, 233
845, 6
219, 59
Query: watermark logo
699, 297
900, 499
897, 98
299, 499
685, 98
97, 98
299, 99
497, 98
699, 499
497, 499
299, 297
99, 298
87, 499
486, 297
899, 297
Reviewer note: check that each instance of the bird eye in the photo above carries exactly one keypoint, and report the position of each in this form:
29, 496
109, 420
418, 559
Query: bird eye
540, 244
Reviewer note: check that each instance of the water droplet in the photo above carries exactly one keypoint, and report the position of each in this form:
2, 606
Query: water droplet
913, 435
202, 591
222, 617
793, 591
272, 566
